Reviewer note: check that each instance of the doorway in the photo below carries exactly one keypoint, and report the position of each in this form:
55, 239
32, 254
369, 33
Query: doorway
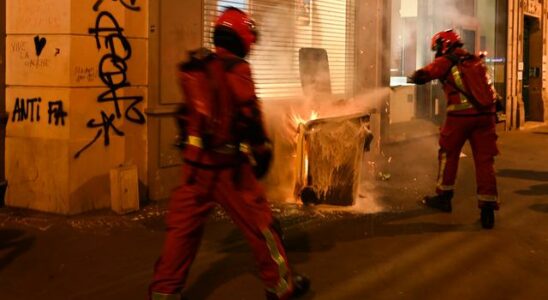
175, 28
533, 107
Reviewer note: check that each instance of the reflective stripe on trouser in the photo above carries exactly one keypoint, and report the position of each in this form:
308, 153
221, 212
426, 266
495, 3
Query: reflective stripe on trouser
480, 132
160, 296
448, 161
282, 288
488, 200
442, 164
188, 209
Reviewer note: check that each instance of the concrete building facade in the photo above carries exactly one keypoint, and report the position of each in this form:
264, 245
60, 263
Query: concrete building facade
527, 64
89, 84
76, 90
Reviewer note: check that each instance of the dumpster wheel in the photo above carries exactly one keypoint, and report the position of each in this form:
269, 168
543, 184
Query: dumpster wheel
309, 196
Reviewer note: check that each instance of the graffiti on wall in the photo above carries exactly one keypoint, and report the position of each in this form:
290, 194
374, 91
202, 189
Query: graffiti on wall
20, 49
39, 44
56, 113
113, 68
49, 14
28, 109
85, 74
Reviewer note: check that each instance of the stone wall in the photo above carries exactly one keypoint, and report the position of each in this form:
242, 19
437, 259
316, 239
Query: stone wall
76, 77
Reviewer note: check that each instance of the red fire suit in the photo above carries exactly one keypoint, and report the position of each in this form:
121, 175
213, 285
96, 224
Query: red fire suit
210, 179
463, 122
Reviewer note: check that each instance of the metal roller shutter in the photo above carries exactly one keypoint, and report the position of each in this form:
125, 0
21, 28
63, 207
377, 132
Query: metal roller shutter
285, 27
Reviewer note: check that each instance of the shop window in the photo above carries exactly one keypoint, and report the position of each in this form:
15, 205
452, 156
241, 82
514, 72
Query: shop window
403, 40
481, 25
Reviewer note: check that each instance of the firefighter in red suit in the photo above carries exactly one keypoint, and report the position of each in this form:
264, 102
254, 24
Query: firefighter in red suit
463, 122
221, 177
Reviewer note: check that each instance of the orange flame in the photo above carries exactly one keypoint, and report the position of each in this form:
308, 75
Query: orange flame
297, 120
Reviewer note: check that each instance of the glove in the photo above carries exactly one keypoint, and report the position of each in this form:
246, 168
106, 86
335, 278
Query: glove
419, 77
410, 79
262, 157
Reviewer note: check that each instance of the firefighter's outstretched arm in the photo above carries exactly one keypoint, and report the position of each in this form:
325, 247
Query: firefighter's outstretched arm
438, 69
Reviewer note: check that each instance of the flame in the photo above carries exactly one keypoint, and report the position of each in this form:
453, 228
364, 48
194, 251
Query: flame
305, 167
297, 119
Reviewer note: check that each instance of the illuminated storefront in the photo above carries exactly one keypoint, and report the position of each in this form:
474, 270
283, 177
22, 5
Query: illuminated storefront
482, 26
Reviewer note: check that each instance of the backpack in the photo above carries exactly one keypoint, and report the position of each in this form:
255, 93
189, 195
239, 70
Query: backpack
476, 83
209, 102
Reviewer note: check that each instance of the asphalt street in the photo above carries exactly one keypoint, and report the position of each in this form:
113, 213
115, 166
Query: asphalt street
388, 248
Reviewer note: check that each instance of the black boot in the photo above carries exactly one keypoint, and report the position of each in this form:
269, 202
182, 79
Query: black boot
440, 201
487, 217
301, 285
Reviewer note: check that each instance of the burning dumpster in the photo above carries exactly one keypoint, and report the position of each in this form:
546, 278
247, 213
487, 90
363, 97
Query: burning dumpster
329, 149
328, 160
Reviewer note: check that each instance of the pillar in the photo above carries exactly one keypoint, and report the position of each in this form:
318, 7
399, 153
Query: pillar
76, 89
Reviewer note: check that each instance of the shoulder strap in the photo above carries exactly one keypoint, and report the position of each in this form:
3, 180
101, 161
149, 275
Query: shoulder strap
455, 61
453, 58
198, 59
231, 62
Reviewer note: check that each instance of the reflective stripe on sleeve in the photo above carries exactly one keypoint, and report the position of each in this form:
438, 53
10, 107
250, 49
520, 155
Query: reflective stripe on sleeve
160, 296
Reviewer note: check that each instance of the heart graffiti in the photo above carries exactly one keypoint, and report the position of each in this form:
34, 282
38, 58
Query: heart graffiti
39, 43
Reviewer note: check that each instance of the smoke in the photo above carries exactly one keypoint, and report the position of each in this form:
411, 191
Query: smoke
280, 115
414, 29
307, 79
302, 79
456, 13
368, 199
275, 61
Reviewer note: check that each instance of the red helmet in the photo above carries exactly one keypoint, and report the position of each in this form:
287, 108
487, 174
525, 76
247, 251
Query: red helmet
238, 22
445, 40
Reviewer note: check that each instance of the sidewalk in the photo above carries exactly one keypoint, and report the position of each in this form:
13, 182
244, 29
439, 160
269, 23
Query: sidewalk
390, 248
